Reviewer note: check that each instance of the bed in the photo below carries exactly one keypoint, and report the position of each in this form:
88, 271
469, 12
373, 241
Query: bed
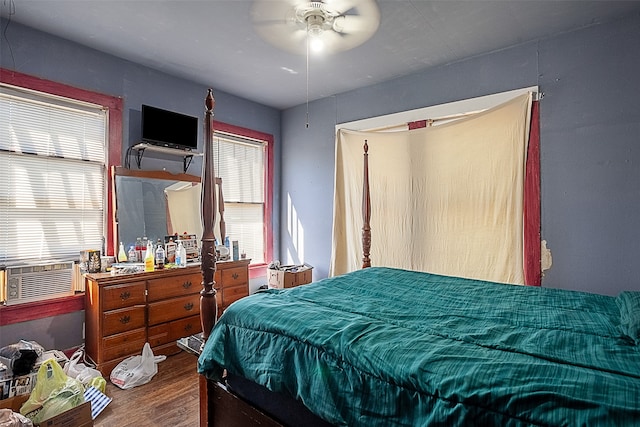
383, 346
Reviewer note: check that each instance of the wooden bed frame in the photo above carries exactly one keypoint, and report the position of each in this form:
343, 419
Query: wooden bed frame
218, 405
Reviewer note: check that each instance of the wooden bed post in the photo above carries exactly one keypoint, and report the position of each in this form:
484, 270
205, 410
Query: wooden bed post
208, 306
366, 211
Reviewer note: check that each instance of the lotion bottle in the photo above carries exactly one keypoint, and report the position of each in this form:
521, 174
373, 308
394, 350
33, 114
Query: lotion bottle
183, 256
179, 254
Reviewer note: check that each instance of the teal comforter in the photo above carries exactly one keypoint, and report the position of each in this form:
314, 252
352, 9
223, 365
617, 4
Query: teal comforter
383, 347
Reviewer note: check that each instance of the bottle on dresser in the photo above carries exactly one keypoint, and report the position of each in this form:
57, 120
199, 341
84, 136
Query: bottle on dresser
170, 251
139, 249
148, 258
159, 255
133, 254
122, 255
181, 255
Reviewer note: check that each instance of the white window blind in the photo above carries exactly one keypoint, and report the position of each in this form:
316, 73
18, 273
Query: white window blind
52, 170
240, 163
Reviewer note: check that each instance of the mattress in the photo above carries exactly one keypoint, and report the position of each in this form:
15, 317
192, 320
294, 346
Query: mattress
382, 346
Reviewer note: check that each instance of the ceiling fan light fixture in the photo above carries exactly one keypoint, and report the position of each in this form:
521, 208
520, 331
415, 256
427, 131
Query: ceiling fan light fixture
341, 24
316, 44
315, 25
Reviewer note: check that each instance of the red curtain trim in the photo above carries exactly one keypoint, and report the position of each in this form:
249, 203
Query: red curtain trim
532, 269
417, 124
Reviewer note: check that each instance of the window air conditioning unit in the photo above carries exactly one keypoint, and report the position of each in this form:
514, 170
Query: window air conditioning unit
28, 283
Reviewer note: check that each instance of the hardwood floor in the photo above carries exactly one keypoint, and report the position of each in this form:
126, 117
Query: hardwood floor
169, 399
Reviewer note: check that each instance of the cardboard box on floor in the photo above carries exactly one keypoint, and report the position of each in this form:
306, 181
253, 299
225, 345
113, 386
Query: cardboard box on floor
80, 416
281, 279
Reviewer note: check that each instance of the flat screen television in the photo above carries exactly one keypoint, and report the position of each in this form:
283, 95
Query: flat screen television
169, 129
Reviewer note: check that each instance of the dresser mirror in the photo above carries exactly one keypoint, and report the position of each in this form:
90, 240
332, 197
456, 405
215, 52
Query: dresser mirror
146, 200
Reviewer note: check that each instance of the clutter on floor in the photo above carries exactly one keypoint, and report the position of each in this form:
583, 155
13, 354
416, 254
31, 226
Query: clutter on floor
43, 387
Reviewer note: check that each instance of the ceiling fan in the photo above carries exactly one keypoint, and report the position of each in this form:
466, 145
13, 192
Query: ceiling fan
337, 25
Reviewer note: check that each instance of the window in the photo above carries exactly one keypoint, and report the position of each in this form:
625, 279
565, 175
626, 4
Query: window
241, 160
52, 166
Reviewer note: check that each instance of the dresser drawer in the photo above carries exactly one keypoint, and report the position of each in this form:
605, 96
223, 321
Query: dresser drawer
232, 294
172, 331
185, 327
159, 334
122, 320
217, 277
125, 295
124, 344
234, 276
177, 308
170, 287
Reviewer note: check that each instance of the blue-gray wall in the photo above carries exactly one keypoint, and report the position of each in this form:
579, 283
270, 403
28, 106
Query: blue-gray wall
590, 149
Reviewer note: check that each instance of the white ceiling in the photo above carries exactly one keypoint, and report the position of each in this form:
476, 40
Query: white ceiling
214, 43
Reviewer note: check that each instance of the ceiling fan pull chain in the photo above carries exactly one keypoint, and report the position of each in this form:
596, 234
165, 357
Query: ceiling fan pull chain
308, 41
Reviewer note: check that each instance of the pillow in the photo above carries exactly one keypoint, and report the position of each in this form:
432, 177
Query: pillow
629, 304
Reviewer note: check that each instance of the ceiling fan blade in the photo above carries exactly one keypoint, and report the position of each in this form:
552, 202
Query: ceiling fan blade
342, 6
273, 10
333, 42
352, 24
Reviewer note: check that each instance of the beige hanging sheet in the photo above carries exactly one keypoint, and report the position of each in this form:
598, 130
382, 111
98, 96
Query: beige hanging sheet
446, 199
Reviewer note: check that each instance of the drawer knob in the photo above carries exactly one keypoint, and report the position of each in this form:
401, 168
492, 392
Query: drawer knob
188, 327
125, 319
188, 306
125, 295
235, 276
186, 284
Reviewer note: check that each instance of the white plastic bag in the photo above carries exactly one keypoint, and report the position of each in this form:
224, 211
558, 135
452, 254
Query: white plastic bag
136, 370
80, 371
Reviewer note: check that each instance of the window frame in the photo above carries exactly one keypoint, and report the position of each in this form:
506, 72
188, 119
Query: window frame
258, 269
114, 105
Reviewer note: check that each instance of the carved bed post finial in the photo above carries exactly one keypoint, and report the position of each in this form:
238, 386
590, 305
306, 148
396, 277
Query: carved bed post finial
208, 306
366, 211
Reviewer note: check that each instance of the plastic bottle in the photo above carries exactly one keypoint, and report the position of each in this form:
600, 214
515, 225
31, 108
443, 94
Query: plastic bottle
170, 251
235, 250
179, 254
183, 257
139, 249
122, 255
148, 259
133, 254
160, 255
145, 246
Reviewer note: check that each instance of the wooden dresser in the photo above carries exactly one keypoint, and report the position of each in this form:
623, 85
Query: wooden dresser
123, 312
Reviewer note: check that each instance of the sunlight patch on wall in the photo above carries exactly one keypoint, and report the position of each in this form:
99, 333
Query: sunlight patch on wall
295, 250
